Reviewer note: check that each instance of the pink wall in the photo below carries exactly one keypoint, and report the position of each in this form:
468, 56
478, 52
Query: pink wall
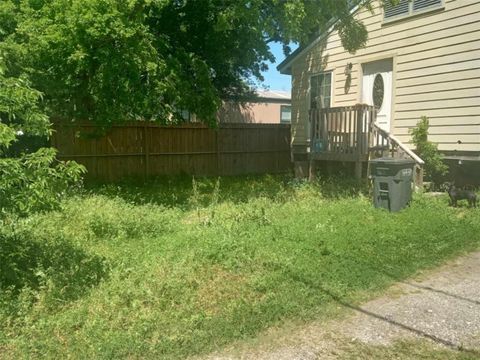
260, 113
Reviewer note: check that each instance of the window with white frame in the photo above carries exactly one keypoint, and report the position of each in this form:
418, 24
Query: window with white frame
320, 90
409, 7
285, 114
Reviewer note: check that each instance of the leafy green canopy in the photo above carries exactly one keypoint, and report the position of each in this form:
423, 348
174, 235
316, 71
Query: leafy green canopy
111, 61
30, 182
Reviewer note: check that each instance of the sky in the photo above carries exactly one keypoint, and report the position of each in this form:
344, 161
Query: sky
273, 79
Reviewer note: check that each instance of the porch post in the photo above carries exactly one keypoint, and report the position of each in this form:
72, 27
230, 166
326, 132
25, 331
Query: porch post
312, 169
358, 170
312, 117
360, 141
419, 176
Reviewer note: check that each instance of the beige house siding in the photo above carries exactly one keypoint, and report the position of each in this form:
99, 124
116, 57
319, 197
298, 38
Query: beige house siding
436, 72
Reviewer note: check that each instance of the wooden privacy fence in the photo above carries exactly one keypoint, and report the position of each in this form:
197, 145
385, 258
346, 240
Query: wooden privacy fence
148, 149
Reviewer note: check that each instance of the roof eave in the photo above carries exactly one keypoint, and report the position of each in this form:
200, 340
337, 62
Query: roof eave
285, 67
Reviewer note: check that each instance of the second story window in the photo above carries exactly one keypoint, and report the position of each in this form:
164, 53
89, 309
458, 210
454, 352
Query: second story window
409, 7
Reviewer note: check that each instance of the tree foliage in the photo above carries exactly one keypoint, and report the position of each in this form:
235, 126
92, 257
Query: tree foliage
33, 181
111, 61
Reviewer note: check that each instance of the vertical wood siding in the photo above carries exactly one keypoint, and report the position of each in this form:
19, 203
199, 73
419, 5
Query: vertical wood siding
146, 149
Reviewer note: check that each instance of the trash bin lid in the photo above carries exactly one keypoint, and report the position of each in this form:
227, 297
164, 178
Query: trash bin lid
393, 161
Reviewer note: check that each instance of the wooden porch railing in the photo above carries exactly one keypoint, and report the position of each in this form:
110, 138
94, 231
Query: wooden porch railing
342, 131
351, 134
399, 150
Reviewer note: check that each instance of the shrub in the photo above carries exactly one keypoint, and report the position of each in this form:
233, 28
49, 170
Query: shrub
435, 168
35, 182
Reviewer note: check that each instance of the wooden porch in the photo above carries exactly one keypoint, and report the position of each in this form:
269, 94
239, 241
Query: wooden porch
351, 134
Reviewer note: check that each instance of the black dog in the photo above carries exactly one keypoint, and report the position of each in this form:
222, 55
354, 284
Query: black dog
458, 194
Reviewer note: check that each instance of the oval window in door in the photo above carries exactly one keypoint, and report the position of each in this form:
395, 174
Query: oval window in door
378, 91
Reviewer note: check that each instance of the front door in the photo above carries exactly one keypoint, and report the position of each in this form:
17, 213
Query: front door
377, 88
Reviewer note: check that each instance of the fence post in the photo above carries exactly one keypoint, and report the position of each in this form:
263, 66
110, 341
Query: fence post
146, 150
277, 146
217, 149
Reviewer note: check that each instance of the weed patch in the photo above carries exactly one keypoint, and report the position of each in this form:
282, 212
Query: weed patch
177, 269
46, 271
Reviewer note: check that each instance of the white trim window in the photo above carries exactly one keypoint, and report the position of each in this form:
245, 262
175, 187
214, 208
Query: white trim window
409, 7
285, 114
321, 90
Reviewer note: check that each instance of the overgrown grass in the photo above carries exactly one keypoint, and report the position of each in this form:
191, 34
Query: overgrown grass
178, 268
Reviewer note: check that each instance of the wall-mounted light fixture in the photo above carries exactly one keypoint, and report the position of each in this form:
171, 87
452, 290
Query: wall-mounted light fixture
348, 77
348, 69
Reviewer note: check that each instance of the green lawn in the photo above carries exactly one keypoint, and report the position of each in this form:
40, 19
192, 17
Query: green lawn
173, 269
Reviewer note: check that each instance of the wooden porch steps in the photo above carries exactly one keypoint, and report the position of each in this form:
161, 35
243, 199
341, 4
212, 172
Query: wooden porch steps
351, 134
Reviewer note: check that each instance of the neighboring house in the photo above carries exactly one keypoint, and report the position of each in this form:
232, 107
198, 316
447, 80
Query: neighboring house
270, 107
422, 58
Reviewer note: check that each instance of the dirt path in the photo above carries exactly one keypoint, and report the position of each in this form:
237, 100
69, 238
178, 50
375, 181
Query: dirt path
442, 308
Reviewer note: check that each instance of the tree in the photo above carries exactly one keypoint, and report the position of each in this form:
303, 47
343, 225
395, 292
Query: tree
110, 61
32, 181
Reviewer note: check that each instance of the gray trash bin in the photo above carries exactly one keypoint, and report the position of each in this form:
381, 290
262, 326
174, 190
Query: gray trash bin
392, 182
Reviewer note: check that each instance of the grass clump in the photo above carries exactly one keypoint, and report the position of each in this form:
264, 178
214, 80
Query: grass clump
189, 267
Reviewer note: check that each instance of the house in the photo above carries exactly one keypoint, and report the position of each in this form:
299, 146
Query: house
422, 58
270, 107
